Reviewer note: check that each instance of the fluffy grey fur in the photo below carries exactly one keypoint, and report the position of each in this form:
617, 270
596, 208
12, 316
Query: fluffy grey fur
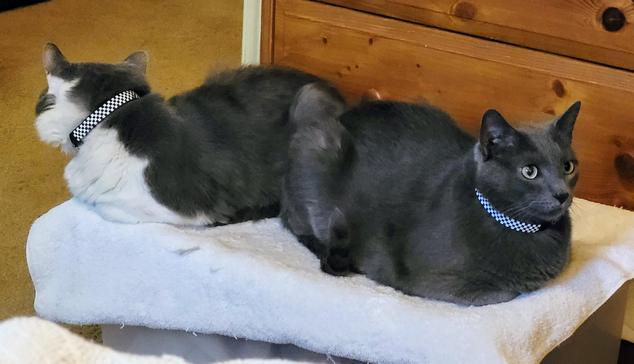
387, 189
219, 150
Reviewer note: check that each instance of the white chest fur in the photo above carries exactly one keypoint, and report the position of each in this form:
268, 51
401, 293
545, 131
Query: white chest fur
104, 175
54, 124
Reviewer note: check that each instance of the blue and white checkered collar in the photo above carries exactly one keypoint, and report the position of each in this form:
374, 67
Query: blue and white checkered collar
509, 222
79, 133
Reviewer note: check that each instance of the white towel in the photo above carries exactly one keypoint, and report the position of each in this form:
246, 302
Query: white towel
30, 340
253, 280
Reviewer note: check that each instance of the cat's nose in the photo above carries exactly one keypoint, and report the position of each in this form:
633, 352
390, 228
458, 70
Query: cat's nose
562, 197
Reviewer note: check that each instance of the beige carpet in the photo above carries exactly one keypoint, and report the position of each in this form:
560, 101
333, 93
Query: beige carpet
185, 39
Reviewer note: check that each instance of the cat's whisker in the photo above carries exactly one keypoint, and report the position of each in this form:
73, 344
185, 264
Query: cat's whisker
520, 207
574, 209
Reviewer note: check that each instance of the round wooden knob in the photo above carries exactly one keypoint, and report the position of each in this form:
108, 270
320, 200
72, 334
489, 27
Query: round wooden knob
613, 19
372, 95
624, 164
465, 10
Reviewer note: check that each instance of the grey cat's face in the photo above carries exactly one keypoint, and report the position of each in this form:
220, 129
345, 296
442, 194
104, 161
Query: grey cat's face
530, 173
76, 89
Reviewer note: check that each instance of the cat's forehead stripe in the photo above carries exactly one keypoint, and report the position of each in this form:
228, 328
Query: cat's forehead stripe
543, 140
57, 85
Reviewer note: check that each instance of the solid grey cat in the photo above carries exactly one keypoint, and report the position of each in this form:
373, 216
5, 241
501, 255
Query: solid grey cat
214, 154
387, 189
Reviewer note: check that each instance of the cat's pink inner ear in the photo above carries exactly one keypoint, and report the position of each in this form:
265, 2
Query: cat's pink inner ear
139, 60
52, 58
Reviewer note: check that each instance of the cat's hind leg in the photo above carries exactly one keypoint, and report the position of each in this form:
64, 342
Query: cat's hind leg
317, 150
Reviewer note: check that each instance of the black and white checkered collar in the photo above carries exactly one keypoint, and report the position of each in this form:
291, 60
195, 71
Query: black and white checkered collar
97, 116
509, 222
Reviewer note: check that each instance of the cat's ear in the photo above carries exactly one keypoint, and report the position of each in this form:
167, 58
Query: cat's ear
138, 60
496, 134
566, 122
53, 59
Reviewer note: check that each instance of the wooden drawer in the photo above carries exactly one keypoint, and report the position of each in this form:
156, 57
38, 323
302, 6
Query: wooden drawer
465, 76
598, 30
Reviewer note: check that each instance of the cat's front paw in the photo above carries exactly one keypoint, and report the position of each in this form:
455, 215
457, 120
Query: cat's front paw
327, 268
338, 262
486, 298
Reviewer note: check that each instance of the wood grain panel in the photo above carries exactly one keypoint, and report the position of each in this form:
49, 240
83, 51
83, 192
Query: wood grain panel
266, 34
466, 76
570, 27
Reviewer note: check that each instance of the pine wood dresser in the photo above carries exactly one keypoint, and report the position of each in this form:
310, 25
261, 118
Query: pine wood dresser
528, 59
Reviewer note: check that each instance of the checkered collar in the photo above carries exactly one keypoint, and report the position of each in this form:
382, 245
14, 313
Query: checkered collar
97, 116
509, 222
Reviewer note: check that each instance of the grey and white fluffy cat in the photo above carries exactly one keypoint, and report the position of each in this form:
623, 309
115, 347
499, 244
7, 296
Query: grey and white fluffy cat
387, 189
214, 154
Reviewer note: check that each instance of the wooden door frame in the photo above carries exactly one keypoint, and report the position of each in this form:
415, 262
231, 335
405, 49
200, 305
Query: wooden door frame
267, 29
253, 20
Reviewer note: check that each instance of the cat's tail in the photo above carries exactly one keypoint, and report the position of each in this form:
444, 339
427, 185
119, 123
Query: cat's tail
316, 109
318, 139
318, 96
319, 151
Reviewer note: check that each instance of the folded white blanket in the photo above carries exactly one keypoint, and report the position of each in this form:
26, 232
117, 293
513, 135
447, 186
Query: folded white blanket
30, 340
253, 280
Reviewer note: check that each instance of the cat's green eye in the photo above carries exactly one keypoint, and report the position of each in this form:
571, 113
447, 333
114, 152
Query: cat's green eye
569, 167
530, 171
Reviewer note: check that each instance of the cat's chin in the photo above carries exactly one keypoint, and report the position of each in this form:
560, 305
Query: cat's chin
68, 149
548, 217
